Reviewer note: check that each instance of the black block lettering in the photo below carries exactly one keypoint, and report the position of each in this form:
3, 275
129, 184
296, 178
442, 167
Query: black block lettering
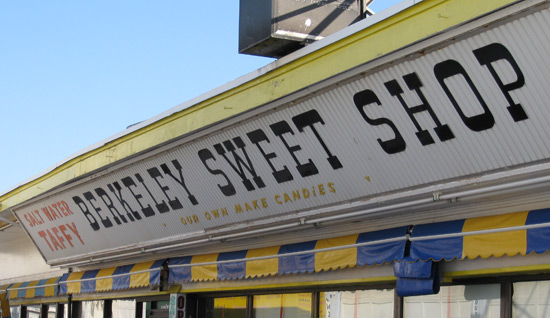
305, 169
491, 53
175, 204
228, 189
414, 84
258, 136
368, 97
109, 204
181, 180
309, 118
84, 209
129, 183
450, 68
240, 163
116, 189
90, 198
161, 206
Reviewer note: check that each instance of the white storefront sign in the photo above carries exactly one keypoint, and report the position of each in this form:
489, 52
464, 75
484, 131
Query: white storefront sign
474, 106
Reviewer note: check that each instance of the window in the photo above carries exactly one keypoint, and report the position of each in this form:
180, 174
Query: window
226, 307
33, 311
92, 309
283, 306
359, 303
331, 304
157, 309
470, 301
15, 312
531, 299
52, 311
123, 309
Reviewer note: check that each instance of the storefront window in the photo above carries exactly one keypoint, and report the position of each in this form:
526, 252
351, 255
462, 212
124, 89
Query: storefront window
33, 311
15, 312
531, 299
92, 309
124, 308
472, 301
227, 307
156, 309
52, 311
283, 306
144, 309
359, 303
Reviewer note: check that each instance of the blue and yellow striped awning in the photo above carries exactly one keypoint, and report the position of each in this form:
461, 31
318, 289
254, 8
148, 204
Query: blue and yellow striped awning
115, 278
314, 256
33, 289
4, 288
508, 234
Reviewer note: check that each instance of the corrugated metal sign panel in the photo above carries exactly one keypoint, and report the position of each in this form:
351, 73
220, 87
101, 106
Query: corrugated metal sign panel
474, 105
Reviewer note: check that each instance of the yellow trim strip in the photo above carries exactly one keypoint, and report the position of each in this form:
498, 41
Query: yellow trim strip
527, 269
422, 20
38, 300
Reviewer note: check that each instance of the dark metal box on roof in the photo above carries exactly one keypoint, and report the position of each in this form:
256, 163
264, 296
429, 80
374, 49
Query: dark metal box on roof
275, 28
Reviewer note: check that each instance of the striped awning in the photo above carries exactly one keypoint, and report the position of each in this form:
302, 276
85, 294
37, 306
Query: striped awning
37, 288
115, 278
4, 288
508, 234
314, 256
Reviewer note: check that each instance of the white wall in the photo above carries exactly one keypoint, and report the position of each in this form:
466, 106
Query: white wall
20, 260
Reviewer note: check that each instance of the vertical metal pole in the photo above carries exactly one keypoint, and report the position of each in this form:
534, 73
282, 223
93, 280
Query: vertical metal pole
69, 298
249, 306
355, 305
60, 311
315, 303
397, 305
282, 306
107, 308
506, 292
70, 306
75, 310
139, 309
44, 311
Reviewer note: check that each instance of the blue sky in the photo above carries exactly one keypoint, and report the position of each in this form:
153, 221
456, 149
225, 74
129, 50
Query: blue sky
73, 73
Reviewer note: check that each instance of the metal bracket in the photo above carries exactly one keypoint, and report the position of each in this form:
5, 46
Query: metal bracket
3, 219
